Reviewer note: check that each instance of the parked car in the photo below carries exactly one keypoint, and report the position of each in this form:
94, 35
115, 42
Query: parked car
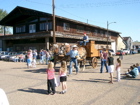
119, 52
134, 52
126, 51
4, 54
112, 52
7, 58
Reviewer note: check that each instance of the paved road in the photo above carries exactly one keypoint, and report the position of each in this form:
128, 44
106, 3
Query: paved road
28, 86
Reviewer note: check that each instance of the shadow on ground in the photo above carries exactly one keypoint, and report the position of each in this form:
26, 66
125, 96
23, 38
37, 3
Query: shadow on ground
39, 70
93, 80
39, 91
128, 78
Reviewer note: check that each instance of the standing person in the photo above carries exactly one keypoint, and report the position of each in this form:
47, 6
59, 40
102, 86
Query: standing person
50, 78
110, 66
85, 40
73, 55
35, 54
118, 68
34, 62
26, 56
63, 76
29, 58
121, 54
103, 60
47, 56
41, 56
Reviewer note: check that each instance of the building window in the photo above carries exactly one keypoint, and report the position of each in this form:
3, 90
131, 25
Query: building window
20, 29
105, 34
50, 25
43, 19
101, 33
66, 26
88, 30
46, 26
43, 26
95, 32
80, 29
32, 28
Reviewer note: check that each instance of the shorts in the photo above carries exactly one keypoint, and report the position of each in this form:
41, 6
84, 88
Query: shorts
111, 69
63, 78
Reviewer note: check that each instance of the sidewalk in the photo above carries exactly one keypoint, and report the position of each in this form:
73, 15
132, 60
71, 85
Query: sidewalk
28, 86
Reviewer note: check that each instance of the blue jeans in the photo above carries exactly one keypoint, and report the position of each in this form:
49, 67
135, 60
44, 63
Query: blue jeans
73, 60
103, 62
83, 42
41, 59
47, 59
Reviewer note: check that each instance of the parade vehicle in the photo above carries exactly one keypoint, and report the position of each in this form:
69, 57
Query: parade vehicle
88, 53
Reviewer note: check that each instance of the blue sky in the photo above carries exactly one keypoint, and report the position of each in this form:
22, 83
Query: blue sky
124, 12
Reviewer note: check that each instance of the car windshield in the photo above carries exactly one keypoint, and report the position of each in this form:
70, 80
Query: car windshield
6, 53
111, 50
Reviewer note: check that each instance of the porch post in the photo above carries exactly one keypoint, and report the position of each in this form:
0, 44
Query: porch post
47, 43
4, 45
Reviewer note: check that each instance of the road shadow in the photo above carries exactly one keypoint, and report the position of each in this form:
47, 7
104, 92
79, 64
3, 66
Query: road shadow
128, 78
31, 90
20, 68
43, 71
39, 91
93, 80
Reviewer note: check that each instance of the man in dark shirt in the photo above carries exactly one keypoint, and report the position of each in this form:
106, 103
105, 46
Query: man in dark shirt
104, 60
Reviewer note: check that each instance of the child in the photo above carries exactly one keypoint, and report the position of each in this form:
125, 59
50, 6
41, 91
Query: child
110, 66
118, 68
34, 62
63, 76
29, 64
50, 78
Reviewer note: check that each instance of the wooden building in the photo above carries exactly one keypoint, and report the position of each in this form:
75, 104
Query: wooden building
34, 29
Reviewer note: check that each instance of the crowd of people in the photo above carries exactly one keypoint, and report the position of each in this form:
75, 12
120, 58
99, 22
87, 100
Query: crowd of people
32, 56
107, 60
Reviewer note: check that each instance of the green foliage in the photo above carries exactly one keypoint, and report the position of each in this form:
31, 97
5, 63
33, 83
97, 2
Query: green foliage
3, 13
136, 41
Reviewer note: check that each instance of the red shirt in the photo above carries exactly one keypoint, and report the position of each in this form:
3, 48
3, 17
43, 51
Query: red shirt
104, 55
50, 73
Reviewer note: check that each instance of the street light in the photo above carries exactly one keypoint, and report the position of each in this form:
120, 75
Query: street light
107, 31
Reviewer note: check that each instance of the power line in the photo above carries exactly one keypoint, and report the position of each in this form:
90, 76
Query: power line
100, 4
64, 11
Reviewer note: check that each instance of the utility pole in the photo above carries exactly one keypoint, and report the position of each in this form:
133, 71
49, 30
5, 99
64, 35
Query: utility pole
108, 33
53, 7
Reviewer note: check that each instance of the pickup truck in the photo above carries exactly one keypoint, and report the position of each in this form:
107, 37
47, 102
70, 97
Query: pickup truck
126, 51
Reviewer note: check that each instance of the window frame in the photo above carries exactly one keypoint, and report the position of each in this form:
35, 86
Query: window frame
66, 26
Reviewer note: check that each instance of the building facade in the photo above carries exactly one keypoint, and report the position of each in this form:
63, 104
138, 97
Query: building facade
129, 42
120, 43
34, 29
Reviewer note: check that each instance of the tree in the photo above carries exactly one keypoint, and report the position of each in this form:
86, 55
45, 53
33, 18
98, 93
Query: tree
3, 13
136, 41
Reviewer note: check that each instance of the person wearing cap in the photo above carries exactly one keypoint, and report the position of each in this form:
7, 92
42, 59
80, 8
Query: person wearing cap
85, 40
73, 55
